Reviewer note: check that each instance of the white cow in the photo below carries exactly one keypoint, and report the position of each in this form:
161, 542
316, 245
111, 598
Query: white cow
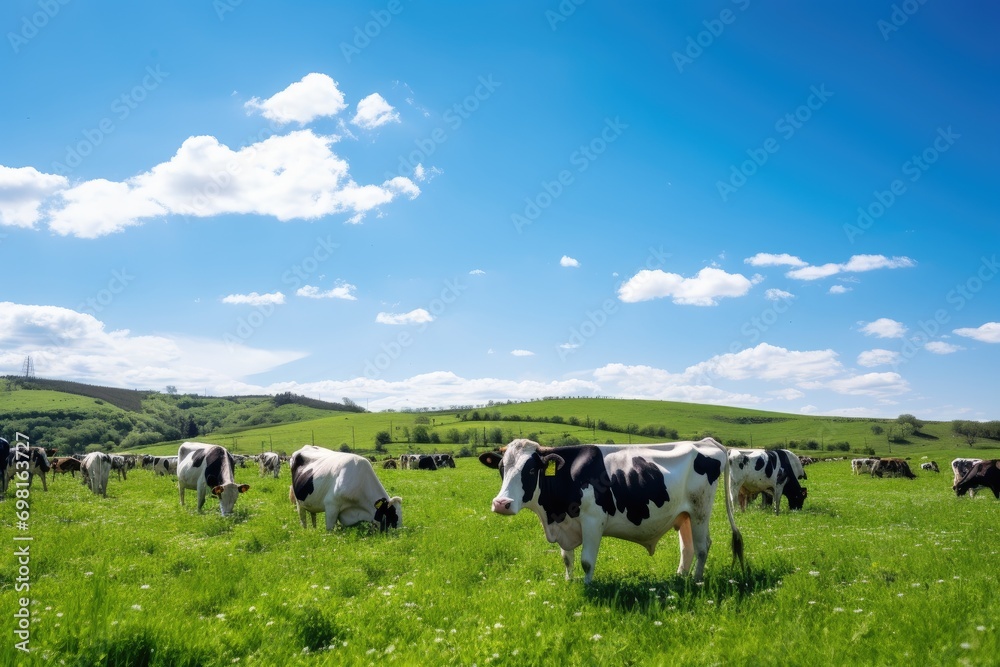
208, 468
269, 463
344, 486
95, 469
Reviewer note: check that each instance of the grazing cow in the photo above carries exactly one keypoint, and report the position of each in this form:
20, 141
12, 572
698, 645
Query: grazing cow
805, 460
581, 493
859, 466
344, 486
444, 460
961, 468
892, 468
130, 461
37, 460
241, 461
389, 465
66, 464
94, 470
930, 465
983, 474
270, 463
165, 465
407, 461
4, 454
775, 472
208, 468
119, 466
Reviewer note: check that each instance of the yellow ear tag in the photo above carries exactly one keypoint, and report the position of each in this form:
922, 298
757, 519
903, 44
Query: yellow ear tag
550, 469
378, 505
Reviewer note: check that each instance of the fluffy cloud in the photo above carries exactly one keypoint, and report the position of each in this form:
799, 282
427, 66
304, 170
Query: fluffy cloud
884, 328
315, 95
941, 347
705, 289
878, 357
871, 384
569, 262
767, 259
855, 264
255, 299
839, 289
522, 353
778, 295
769, 362
417, 316
477, 272
22, 192
987, 333
657, 384
374, 111
340, 291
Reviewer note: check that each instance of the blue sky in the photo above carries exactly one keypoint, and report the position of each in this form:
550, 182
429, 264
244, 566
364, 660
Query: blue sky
414, 204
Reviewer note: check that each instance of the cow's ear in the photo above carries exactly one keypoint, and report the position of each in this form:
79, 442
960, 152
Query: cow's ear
553, 463
805, 492
244, 488
491, 459
217, 491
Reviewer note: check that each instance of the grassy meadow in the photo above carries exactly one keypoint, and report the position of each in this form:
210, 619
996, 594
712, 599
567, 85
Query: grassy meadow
871, 572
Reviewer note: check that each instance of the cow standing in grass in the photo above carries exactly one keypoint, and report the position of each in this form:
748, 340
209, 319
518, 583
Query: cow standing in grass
985, 474
95, 469
208, 468
961, 467
270, 463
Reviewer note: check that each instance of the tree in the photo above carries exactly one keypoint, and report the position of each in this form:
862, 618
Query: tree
191, 428
877, 430
382, 438
171, 389
909, 423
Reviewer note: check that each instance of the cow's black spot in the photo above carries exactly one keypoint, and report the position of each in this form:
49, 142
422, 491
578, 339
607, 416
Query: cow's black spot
302, 477
772, 463
560, 494
633, 489
215, 458
707, 466
197, 458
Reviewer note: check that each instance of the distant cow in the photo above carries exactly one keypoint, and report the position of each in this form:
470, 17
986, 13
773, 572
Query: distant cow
208, 468
165, 465
65, 464
94, 470
119, 466
892, 468
982, 474
241, 461
344, 486
389, 464
805, 460
859, 466
775, 472
426, 462
37, 464
930, 465
270, 463
581, 493
961, 468
444, 460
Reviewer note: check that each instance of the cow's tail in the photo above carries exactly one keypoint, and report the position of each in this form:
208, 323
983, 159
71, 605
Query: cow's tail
291, 494
737, 543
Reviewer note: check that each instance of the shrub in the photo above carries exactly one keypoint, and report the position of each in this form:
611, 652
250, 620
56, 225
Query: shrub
382, 438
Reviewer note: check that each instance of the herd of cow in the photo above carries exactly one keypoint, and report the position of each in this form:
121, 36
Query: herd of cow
579, 493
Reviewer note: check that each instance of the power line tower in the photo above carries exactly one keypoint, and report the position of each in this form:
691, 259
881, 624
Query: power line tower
28, 369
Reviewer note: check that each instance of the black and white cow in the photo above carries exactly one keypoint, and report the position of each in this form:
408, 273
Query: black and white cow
208, 468
859, 466
930, 465
983, 474
270, 463
95, 469
582, 493
894, 467
344, 486
37, 464
444, 460
776, 472
165, 465
961, 468
119, 466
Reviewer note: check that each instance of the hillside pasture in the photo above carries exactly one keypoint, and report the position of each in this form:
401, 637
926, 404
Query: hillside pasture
872, 571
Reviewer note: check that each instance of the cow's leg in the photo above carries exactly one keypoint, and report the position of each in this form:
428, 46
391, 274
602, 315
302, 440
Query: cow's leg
683, 526
180, 489
313, 518
567, 557
201, 496
302, 514
778, 488
332, 513
592, 531
702, 543
45, 487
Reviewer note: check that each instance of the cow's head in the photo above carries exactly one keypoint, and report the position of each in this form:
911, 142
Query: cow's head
520, 464
796, 496
389, 513
228, 494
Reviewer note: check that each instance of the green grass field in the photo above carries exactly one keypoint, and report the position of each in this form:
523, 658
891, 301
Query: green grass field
871, 572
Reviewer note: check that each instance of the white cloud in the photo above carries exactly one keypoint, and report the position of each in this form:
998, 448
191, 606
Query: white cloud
522, 353
657, 384
839, 289
767, 259
374, 111
878, 357
255, 299
477, 272
709, 285
884, 328
940, 347
987, 333
340, 291
313, 96
417, 316
788, 394
769, 362
778, 295
808, 409
855, 264
569, 262
569, 346
289, 176
22, 192
871, 384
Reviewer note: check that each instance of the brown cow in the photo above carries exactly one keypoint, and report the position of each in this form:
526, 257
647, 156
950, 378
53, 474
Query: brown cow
892, 468
65, 464
982, 474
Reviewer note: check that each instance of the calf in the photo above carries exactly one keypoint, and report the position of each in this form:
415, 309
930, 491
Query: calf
270, 463
961, 467
982, 474
582, 493
344, 486
930, 465
208, 468
95, 469
892, 468
773, 472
